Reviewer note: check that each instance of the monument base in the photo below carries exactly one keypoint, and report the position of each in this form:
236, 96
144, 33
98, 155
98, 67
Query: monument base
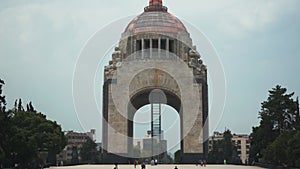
191, 158
109, 158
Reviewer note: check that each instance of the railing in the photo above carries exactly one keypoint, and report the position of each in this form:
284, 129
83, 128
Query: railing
156, 8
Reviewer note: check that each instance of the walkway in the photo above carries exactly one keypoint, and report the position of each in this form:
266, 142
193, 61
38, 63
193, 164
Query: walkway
158, 167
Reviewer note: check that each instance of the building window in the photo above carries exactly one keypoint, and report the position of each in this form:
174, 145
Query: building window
171, 46
147, 43
155, 43
163, 44
138, 45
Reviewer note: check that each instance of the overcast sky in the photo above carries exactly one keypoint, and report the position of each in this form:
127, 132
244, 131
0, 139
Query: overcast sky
40, 41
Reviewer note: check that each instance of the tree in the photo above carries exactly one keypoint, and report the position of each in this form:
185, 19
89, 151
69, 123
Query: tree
24, 134
88, 152
280, 109
224, 149
280, 122
2, 122
285, 150
227, 145
4, 128
217, 154
33, 133
2, 98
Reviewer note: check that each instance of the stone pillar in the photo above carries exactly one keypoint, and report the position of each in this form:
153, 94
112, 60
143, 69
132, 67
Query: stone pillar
143, 47
167, 47
134, 49
151, 48
159, 47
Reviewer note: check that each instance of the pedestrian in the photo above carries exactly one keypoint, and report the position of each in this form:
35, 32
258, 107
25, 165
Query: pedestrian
204, 163
225, 162
143, 166
152, 162
116, 166
155, 161
175, 167
134, 162
200, 162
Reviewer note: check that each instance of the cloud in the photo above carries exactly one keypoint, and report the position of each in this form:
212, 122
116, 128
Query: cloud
252, 16
234, 17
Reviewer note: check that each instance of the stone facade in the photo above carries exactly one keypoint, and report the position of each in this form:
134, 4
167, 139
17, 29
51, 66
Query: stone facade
152, 58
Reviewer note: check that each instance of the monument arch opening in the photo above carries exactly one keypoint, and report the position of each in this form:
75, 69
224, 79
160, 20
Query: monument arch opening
169, 141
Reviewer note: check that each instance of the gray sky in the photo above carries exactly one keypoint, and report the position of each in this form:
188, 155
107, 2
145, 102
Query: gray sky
257, 42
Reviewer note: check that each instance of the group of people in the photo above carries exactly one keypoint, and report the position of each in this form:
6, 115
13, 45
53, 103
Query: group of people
202, 163
143, 165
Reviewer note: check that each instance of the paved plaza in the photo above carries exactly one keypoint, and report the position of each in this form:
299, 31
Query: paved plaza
158, 167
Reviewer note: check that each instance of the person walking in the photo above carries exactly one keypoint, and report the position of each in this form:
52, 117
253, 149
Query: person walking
143, 166
225, 162
134, 163
116, 166
155, 162
175, 167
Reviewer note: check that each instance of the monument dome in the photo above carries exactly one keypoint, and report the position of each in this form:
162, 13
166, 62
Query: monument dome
155, 28
155, 18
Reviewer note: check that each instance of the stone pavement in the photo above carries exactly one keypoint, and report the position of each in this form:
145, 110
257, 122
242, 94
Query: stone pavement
158, 167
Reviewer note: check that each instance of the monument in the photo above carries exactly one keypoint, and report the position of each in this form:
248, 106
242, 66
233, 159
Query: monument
155, 63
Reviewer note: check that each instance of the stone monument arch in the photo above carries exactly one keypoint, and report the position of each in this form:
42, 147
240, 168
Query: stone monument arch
155, 63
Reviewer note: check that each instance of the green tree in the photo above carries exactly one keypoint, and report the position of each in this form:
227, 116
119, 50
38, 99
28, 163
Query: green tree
2, 123
216, 156
5, 129
23, 134
293, 150
285, 150
278, 113
33, 133
280, 109
88, 152
227, 145
224, 149
2, 98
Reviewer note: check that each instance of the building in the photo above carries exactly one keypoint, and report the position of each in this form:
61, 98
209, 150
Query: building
75, 140
155, 54
145, 145
241, 141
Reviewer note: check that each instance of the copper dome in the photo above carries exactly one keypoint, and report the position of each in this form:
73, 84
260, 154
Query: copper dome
155, 19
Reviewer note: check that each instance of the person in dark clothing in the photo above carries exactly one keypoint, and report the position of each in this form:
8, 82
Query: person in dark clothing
143, 166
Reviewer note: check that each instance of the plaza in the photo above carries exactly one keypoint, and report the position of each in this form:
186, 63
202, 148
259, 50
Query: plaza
158, 167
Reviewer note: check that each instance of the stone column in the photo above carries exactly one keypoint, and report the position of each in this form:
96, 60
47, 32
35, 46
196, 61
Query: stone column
143, 47
151, 48
134, 48
167, 47
159, 47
